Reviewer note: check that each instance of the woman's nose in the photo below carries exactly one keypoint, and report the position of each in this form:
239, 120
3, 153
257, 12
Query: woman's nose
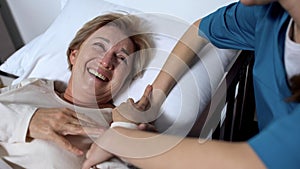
107, 61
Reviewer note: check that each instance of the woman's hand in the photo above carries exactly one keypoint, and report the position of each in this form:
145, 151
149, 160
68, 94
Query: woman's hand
55, 123
132, 112
140, 105
135, 112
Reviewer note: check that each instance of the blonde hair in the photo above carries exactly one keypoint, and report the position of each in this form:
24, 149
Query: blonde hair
131, 25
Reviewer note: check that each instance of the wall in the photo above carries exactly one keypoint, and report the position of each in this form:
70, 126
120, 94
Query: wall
34, 16
7, 46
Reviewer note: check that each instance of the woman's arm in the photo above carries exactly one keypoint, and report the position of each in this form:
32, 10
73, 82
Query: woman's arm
21, 122
15, 119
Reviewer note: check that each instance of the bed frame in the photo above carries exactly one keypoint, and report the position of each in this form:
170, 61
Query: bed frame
230, 115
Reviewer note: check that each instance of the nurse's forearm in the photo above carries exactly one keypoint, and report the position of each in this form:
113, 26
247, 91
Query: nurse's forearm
153, 150
180, 59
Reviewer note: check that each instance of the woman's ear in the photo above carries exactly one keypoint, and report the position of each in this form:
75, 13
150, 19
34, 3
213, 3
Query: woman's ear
73, 57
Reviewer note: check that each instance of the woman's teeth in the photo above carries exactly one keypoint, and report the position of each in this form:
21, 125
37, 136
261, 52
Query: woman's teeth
94, 72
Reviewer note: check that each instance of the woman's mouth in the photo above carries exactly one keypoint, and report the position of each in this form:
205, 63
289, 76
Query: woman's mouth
98, 75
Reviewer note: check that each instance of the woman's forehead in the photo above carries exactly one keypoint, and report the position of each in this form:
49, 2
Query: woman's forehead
113, 35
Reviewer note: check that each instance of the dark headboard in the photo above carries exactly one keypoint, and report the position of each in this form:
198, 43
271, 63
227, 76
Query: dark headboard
11, 25
234, 97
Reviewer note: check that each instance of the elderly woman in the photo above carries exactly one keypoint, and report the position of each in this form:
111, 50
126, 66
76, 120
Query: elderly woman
44, 128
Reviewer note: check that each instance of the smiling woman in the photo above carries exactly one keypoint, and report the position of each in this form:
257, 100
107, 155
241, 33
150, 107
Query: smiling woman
106, 58
99, 64
105, 53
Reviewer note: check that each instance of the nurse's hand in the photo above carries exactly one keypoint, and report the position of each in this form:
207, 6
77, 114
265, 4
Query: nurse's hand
137, 112
95, 156
144, 111
54, 124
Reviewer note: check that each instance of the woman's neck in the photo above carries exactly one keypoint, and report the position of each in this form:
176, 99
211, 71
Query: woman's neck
292, 7
67, 96
296, 33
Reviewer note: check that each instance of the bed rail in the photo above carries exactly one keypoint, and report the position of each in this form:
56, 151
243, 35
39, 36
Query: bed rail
231, 113
6, 79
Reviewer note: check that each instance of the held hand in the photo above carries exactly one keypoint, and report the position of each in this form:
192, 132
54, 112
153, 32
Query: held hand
95, 156
136, 112
55, 123
144, 103
129, 111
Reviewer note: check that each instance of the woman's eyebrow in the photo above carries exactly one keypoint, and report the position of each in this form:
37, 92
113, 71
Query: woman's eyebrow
125, 51
108, 41
104, 39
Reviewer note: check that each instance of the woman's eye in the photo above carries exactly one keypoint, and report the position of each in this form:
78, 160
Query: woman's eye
100, 45
122, 58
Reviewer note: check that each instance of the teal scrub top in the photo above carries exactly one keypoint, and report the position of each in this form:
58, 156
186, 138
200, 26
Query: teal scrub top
262, 29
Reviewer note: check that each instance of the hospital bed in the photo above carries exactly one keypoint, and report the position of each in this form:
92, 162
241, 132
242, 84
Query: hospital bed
214, 99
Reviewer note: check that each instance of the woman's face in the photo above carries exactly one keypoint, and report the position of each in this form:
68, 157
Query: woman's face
102, 64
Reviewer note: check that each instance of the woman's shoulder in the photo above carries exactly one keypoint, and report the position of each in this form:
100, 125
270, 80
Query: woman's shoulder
26, 83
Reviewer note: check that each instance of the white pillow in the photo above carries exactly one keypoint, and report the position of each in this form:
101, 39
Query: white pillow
188, 10
45, 57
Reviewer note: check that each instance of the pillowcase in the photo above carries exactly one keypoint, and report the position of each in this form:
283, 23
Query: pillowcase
187, 10
45, 57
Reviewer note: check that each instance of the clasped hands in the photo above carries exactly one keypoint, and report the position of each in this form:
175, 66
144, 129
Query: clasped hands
141, 113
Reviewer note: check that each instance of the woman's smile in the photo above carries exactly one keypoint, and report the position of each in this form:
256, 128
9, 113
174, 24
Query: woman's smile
98, 75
